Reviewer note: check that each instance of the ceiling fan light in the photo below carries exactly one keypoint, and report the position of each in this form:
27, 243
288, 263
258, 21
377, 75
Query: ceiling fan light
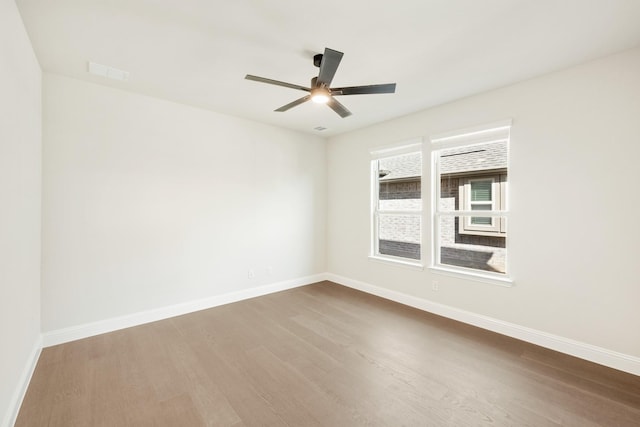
320, 96
320, 99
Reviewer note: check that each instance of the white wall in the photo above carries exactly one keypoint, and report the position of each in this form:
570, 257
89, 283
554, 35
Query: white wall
148, 203
20, 155
574, 175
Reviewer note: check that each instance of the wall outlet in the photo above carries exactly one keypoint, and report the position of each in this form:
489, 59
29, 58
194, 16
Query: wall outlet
435, 285
251, 274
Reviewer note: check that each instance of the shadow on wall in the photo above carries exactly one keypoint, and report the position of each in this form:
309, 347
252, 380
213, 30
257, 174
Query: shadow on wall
467, 258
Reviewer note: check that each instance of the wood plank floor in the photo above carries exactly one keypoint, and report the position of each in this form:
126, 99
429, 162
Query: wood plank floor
320, 355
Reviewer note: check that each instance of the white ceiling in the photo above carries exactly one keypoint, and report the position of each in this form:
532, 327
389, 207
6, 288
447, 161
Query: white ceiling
197, 52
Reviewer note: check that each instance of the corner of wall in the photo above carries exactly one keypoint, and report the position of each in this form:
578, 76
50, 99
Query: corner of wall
23, 384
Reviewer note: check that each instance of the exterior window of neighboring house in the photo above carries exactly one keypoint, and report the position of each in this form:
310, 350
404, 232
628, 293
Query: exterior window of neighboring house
486, 193
470, 205
397, 204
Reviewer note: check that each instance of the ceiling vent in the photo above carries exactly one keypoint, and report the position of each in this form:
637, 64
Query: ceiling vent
108, 72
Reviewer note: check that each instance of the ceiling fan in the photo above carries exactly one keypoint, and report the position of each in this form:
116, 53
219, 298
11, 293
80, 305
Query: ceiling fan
321, 91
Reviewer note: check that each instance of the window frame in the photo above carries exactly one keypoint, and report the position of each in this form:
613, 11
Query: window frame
407, 147
492, 132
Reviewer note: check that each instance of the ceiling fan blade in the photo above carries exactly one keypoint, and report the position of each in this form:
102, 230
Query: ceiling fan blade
294, 103
276, 82
364, 90
338, 108
328, 67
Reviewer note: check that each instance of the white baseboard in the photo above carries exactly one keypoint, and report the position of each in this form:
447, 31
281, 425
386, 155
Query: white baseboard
73, 333
613, 359
23, 384
602, 356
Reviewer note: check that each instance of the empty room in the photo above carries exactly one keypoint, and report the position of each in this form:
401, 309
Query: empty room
285, 213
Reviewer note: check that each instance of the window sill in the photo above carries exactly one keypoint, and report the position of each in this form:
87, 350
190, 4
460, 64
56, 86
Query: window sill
397, 262
477, 277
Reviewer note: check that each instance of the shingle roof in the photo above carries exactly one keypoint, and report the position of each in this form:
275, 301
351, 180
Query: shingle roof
474, 158
404, 166
479, 157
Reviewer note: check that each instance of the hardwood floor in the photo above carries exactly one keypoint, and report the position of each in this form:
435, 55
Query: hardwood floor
320, 355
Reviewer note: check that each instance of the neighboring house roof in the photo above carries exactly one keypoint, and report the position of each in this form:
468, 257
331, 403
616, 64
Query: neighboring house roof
400, 167
481, 157
474, 158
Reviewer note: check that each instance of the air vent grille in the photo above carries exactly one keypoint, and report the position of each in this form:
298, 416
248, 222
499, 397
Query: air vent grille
108, 72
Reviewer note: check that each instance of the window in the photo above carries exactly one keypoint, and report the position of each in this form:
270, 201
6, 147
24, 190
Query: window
397, 204
470, 170
484, 193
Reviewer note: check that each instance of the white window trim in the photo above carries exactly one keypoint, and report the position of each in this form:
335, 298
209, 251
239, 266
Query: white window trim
397, 261
405, 147
415, 145
496, 131
491, 132
475, 275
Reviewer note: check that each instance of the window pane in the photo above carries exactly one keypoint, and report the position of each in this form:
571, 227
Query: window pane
399, 235
469, 163
449, 194
473, 158
481, 191
485, 253
399, 182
